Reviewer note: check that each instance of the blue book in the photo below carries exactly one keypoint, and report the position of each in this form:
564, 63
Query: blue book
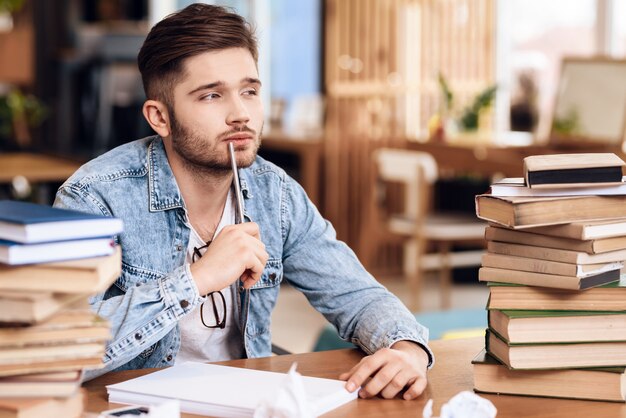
25, 222
14, 253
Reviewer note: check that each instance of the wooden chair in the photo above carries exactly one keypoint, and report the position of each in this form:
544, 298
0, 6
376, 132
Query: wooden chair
417, 226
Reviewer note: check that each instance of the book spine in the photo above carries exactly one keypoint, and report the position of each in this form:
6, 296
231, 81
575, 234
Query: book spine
529, 264
575, 231
489, 274
529, 238
530, 251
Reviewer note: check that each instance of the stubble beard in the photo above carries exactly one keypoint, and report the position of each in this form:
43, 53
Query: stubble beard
204, 156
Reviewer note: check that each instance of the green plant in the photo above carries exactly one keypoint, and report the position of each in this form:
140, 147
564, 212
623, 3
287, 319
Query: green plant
10, 6
18, 113
468, 119
567, 124
448, 96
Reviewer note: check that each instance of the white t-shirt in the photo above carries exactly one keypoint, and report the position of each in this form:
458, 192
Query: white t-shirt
199, 343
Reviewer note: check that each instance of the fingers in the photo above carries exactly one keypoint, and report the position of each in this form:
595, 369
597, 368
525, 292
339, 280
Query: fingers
415, 389
363, 370
387, 373
388, 381
250, 228
236, 252
246, 239
254, 269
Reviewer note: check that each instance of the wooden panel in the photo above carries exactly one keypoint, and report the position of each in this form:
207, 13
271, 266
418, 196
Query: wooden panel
16, 56
17, 51
382, 58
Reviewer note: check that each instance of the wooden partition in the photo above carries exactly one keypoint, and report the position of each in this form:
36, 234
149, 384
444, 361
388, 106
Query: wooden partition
382, 58
17, 50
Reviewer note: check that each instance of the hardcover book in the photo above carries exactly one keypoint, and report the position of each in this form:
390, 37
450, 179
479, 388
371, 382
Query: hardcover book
556, 355
78, 276
526, 237
584, 230
70, 407
608, 297
575, 170
13, 253
26, 222
526, 212
520, 327
65, 327
93, 362
56, 384
516, 186
599, 384
537, 265
41, 353
490, 274
555, 254
28, 307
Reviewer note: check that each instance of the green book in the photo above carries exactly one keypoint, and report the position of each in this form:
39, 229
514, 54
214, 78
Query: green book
537, 356
602, 384
608, 297
549, 326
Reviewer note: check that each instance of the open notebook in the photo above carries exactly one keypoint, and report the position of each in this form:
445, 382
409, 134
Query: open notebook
208, 389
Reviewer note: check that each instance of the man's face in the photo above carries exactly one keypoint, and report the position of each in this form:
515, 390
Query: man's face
217, 102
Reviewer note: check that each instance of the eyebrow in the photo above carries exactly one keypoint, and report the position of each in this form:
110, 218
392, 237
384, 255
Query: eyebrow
246, 80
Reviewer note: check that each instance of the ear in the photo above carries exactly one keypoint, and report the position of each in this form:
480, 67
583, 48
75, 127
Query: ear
156, 114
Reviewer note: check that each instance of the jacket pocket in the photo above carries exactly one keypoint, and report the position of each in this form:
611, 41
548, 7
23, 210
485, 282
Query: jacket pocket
272, 275
135, 276
263, 296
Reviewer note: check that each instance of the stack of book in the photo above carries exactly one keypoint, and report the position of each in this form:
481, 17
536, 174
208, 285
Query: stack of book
51, 261
557, 307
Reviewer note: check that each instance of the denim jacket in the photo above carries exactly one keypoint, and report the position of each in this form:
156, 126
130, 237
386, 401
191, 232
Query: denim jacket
135, 183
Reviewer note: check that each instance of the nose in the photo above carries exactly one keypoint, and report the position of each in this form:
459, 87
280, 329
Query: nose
238, 114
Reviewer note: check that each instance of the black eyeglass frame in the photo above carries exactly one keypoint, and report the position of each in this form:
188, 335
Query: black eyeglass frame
219, 323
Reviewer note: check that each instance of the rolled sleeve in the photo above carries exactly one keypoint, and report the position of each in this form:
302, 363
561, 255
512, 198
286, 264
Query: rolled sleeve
180, 292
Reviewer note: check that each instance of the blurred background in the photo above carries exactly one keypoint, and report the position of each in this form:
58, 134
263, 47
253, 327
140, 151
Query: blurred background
470, 87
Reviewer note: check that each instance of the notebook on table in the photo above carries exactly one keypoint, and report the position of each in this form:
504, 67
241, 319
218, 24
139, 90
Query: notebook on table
209, 389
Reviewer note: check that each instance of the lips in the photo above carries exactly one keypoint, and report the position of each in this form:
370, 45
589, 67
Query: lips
239, 137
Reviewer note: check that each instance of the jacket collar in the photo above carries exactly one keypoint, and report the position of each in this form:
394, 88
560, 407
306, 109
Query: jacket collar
162, 186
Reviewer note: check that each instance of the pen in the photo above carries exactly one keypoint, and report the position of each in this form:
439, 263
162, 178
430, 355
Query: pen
238, 195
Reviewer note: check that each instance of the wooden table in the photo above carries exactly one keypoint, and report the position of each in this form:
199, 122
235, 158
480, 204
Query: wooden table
488, 159
36, 168
309, 153
452, 373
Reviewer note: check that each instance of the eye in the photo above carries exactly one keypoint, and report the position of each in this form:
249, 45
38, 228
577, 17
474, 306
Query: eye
210, 96
250, 92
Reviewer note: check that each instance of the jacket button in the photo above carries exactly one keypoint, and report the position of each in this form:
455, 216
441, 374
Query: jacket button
272, 276
169, 358
179, 247
138, 336
241, 288
184, 304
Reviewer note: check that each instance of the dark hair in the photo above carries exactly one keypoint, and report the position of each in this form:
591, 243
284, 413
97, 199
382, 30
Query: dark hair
196, 29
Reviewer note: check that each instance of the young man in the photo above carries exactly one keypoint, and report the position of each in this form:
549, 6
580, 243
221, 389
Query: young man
194, 284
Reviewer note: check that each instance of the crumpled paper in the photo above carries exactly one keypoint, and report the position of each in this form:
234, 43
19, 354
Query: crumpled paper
289, 400
464, 404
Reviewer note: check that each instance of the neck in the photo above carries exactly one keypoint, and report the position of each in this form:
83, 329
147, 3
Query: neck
204, 192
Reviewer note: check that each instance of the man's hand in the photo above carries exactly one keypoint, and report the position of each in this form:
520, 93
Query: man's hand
393, 369
236, 252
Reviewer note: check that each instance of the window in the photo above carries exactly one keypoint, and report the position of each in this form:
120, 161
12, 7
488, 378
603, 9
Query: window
539, 35
618, 40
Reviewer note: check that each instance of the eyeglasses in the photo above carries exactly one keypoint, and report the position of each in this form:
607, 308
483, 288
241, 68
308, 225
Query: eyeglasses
219, 315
